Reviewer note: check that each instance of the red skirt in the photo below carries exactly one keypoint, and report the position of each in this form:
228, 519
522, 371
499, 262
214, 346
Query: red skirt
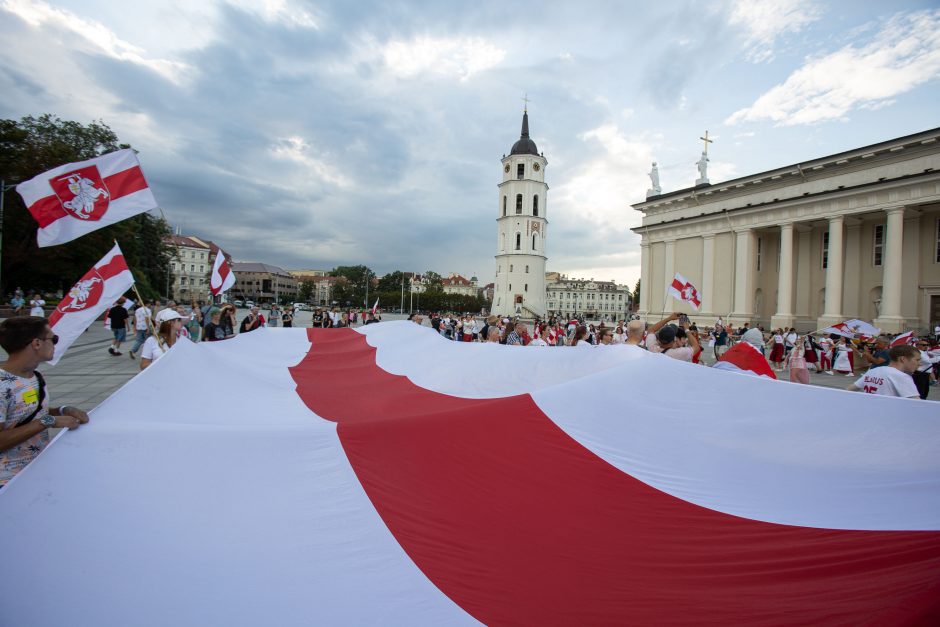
776, 354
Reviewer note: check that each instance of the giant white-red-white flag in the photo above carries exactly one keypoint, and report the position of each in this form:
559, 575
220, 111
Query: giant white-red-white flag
682, 289
78, 198
222, 276
94, 293
501, 499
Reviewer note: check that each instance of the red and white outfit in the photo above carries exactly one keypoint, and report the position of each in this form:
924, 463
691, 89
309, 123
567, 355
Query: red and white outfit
776, 354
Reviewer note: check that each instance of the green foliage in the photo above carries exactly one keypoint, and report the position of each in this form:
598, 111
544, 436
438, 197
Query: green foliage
392, 282
352, 291
432, 278
305, 291
31, 146
636, 292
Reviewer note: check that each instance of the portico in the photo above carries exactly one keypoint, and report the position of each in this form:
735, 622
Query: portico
851, 235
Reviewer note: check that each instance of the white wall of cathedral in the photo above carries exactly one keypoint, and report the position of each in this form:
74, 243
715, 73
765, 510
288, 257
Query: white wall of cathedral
864, 259
519, 275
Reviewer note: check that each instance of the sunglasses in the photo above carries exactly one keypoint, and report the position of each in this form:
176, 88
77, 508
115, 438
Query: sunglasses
54, 338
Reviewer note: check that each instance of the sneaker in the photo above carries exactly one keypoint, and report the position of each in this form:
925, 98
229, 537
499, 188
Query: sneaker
111, 350
851, 374
829, 372
131, 353
118, 353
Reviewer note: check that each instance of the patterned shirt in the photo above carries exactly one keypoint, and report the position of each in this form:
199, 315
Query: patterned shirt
18, 398
513, 339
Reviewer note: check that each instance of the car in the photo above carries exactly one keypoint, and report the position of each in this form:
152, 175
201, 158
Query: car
238, 303
249, 304
301, 307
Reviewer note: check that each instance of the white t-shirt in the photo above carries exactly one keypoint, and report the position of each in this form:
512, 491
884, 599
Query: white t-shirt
152, 350
538, 342
888, 381
36, 307
140, 318
778, 339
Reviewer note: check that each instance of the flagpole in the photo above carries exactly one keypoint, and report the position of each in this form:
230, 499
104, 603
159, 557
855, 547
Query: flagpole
140, 299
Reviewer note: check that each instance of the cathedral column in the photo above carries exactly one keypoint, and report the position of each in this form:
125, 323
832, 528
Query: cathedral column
832, 312
645, 286
708, 275
784, 316
745, 249
890, 319
669, 271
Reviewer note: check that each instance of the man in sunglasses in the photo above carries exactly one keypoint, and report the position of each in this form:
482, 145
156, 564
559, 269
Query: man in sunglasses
25, 411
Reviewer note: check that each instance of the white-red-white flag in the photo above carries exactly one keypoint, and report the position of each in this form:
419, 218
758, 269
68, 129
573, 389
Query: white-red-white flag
77, 198
375, 307
682, 289
222, 276
94, 293
904, 338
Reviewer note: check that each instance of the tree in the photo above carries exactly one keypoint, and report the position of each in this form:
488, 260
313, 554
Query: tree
305, 291
636, 292
432, 278
31, 146
352, 291
391, 282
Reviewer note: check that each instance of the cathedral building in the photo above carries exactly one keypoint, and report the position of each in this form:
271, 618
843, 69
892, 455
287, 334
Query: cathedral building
521, 224
849, 235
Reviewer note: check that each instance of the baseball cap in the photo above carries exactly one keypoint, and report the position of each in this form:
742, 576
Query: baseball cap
168, 314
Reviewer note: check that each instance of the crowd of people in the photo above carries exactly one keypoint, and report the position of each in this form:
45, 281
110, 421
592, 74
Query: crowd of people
676, 337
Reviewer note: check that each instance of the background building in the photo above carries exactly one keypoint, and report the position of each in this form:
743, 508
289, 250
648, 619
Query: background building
456, 284
263, 283
190, 267
596, 300
850, 235
521, 225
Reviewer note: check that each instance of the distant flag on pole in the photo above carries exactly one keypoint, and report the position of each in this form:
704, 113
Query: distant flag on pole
853, 328
77, 198
94, 293
904, 338
682, 289
375, 307
222, 276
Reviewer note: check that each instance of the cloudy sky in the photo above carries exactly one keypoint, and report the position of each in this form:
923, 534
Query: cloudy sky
314, 134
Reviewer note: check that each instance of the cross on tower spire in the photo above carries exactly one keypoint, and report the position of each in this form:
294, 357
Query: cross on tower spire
527, 101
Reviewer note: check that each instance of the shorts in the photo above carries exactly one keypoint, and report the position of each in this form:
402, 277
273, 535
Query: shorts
119, 334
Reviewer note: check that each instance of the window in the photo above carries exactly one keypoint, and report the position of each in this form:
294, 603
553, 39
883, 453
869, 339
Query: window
533, 242
760, 241
825, 250
518, 241
520, 171
192, 267
518, 203
202, 268
879, 245
505, 200
526, 287
510, 267
535, 205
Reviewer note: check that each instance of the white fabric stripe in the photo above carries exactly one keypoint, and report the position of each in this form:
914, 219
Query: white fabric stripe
205, 493
748, 446
38, 187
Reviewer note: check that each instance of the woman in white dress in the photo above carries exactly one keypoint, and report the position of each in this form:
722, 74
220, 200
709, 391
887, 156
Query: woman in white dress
842, 358
156, 346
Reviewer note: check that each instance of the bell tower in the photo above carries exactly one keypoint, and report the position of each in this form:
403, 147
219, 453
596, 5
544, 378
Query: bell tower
521, 229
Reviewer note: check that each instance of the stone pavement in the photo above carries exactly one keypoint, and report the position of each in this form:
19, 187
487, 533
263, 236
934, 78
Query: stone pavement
87, 374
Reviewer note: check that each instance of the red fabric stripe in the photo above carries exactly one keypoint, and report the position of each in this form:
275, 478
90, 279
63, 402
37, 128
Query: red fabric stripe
48, 209
116, 266
676, 285
519, 524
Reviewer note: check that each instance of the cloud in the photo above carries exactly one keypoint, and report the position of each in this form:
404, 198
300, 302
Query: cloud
765, 21
460, 57
94, 37
279, 11
904, 54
